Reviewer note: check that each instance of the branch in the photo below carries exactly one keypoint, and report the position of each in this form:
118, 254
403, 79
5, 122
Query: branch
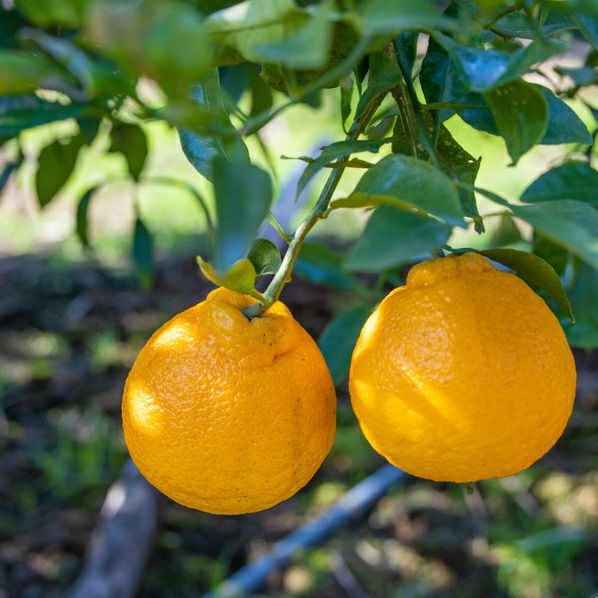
249, 579
119, 545
282, 276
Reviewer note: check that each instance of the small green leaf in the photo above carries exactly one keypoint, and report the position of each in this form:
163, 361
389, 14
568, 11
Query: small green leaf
143, 253
82, 216
535, 270
407, 183
130, 141
239, 277
243, 196
320, 265
572, 224
265, 257
335, 151
338, 339
572, 180
394, 237
521, 115
56, 162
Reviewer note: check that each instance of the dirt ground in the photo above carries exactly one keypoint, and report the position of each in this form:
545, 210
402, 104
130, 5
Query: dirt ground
69, 333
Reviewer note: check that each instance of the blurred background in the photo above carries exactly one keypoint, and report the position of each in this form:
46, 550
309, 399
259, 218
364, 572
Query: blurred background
72, 322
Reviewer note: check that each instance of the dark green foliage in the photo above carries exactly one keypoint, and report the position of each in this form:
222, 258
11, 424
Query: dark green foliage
226, 69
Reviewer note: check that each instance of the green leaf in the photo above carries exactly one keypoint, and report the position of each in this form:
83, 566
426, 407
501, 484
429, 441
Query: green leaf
239, 277
407, 183
320, 265
584, 297
581, 75
572, 224
21, 112
464, 167
483, 70
243, 196
334, 151
572, 180
131, 142
200, 150
11, 22
264, 256
381, 17
394, 237
556, 255
244, 29
564, 126
346, 93
506, 233
143, 253
338, 340
521, 115
440, 79
535, 270
384, 74
82, 219
517, 24
22, 73
162, 39
261, 94
306, 48
56, 162
58, 12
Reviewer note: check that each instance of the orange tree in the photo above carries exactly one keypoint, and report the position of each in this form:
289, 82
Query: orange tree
400, 69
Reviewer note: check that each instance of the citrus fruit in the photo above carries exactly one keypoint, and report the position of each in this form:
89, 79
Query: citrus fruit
462, 374
229, 415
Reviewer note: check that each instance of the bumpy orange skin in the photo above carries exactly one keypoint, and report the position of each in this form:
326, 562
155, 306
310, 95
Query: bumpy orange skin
463, 374
229, 415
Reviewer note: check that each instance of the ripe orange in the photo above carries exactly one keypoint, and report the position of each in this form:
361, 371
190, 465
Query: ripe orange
229, 415
463, 374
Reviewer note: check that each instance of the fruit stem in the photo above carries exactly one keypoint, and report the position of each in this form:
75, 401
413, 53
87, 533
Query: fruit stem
282, 276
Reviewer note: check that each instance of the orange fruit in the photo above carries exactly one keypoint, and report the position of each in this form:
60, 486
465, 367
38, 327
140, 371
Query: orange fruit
229, 415
462, 374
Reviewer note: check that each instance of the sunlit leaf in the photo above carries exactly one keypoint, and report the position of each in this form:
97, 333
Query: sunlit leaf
407, 183
238, 277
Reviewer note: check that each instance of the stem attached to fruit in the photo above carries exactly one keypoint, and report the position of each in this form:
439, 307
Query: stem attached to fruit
282, 276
